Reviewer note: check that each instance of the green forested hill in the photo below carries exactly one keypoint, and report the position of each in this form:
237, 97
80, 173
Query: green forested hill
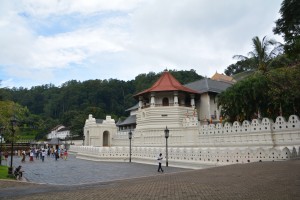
70, 103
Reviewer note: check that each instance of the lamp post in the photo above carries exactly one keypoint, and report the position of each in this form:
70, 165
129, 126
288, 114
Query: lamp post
167, 136
57, 143
1, 135
130, 137
83, 138
13, 122
66, 138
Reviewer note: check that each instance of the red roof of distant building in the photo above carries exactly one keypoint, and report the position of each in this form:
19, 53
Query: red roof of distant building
167, 82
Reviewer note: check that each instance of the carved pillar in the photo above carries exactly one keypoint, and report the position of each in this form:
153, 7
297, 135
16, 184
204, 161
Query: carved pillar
140, 101
208, 106
152, 99
193, 100
176, 98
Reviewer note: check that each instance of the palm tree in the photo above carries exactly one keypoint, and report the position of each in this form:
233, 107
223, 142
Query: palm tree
261, 58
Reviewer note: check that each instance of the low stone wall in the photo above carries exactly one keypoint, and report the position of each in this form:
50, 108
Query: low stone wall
187, 157
257, 133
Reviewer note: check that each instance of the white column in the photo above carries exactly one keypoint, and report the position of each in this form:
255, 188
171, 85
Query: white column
140, 102
193, 100
152, 99
176, 98
208, 107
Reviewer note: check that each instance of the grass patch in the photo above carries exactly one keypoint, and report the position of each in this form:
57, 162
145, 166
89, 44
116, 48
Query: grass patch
4, 172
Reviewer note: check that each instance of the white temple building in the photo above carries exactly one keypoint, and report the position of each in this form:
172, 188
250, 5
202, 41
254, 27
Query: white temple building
196, 136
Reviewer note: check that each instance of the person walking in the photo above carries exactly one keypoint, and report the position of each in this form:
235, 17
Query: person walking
31, 155
52, 152
159, 163
6, 156
62, 153
56, 154
66, 154
37, 154
23, 156
43, 155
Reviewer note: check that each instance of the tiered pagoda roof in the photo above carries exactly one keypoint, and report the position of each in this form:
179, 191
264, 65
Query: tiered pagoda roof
167, 82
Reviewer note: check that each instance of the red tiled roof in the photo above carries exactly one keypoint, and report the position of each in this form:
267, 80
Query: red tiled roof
167, 82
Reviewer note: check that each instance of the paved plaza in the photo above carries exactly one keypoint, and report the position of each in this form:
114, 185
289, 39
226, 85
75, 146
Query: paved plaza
101, 180
77, 171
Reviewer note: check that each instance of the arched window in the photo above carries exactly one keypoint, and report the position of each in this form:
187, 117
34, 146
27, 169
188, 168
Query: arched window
165, 101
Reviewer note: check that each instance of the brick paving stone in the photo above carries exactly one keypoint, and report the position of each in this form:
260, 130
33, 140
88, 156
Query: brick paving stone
264, 180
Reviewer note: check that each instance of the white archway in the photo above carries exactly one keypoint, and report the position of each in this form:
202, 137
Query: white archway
106, 141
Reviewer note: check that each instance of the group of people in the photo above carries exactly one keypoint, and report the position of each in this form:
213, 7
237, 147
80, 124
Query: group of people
40, 154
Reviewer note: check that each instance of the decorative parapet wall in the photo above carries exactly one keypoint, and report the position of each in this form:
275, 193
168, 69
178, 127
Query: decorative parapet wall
90, 121
255, 133
286, 133
265, 125
193, 147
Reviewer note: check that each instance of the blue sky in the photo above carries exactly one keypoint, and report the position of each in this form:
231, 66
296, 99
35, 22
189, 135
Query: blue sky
54, 41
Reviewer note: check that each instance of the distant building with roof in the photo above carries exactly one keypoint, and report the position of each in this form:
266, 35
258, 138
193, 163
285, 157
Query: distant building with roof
60, 131
223, 77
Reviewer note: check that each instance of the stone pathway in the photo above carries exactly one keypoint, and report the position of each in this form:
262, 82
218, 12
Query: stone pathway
76, 171
262, 180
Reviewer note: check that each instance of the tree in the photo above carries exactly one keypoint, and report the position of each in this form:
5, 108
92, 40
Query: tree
9, 110
245, 99
284, 90
261, 57
240, 66
289, 26
265, 93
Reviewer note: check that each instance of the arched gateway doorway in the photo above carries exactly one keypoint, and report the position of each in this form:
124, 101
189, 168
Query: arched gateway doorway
165, 101
105, 139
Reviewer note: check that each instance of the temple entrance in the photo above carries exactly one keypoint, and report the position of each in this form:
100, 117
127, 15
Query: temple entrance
105, 138
165, 101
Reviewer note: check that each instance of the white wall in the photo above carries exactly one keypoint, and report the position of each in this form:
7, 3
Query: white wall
208, 144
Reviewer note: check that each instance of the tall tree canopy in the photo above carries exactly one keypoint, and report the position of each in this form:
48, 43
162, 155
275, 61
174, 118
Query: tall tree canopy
261, 57
268, 94
25, 120
71, 103
289, 26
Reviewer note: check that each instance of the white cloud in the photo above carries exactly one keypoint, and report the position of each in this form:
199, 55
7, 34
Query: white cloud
203, 34
74, 47
66, 7
120, 39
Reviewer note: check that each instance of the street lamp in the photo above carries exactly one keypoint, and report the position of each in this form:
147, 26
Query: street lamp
57, 143
1, 135
13, 122
166, 136
66, 138
130, 137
